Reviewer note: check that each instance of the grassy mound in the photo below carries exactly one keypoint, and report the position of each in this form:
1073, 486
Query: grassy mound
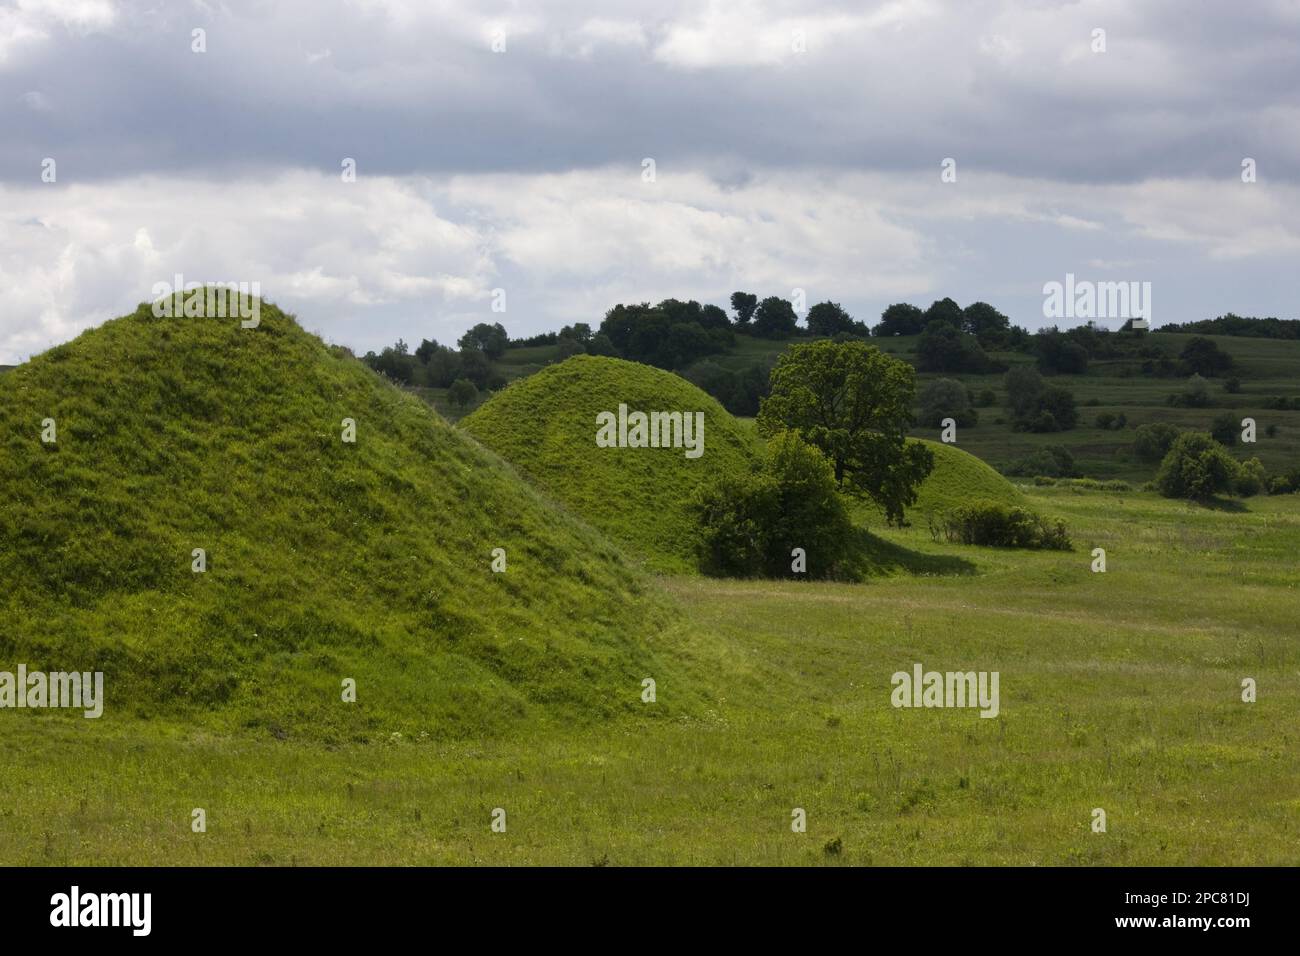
326, 560
545, 425
960, 478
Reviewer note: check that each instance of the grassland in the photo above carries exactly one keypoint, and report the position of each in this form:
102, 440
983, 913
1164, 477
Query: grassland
1118, 690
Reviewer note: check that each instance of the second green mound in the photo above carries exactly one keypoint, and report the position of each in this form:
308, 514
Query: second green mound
546, 426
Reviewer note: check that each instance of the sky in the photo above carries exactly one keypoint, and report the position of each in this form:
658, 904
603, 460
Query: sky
580, 154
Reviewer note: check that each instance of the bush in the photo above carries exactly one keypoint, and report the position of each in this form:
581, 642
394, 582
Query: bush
748, 524
1053, 461
946, 398
987, 398
1251, 478
1151, 442
1000, 526
1105, 421
1195, 395
1197, 467
1232, 386
1203, 357
462, 392
1224, 429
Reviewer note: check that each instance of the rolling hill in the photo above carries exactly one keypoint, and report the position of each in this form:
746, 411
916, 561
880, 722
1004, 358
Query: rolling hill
546, 424
325, 560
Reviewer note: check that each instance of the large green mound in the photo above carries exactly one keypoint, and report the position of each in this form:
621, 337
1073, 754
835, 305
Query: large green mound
326, 560
546, 425
960, 478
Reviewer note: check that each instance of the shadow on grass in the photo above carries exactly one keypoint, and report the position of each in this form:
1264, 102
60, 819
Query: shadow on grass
874, 556
1230, 505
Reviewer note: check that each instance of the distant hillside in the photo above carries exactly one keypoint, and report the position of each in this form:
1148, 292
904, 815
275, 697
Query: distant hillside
1267, 368
545, 425
325, 560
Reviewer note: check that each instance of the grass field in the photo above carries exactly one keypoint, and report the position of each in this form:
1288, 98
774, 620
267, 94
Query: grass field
1118, 690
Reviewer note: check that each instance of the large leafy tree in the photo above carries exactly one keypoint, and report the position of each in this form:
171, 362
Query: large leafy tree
1196, 467
775, 318
744, 304
901, 318
853, 402
829, 318
491, 340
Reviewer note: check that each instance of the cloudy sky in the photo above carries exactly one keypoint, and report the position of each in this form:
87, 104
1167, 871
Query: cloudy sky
795, 145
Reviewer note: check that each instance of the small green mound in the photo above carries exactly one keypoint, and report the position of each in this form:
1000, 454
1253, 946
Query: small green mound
546, 426
960, 478
326, 560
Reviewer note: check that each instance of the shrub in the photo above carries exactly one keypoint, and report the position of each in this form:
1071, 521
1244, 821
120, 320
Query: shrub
1196, 467
1053, 461
946, 398
987, 398
1106, 421
1001, 526
1251, 478
462, 392
1224, 429
748, 524
1195, 395
1151, 442
1203, 357
1232, 386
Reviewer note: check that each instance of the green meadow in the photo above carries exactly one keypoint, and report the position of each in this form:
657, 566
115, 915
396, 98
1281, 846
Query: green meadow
1119, 691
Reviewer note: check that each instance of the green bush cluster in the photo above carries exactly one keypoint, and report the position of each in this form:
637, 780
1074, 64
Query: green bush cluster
1001, 526
748, 524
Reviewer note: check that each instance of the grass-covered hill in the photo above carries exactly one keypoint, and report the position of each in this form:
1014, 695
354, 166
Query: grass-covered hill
959, 478
545, 425
326, 560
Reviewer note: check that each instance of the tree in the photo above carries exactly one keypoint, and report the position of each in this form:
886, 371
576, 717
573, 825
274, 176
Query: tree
1195, 395
1196, 467
1059, 403
946, 398
853, 402
1151, 441
1224, 428
1056, 353
946, 311
829, 318
580, 332
775, 318
743, 304
1202, 357
491, 340
945, 348
601, 345
986, 323
748, 524
474, 366
462, 393
900, 319
1023, 384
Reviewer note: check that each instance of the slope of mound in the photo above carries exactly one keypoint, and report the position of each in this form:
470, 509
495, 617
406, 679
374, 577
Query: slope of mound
325, 560
546, 426
960, 478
